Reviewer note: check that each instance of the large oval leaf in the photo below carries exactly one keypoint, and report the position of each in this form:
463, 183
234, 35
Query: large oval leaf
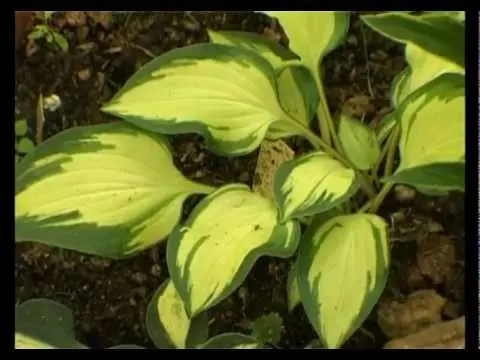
109, 190
225, 93
328, 28
441, 34
44, 324
232, 341
210, 256
432, 123
168, 324
296, 86
359, 143
311, 184
424, 67
342, 271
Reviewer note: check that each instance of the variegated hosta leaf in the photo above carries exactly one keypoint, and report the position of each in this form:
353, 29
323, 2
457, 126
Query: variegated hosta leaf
342, 272
44, 324
225, 93
439, 33
110, 190
311, 184
210, 256
328, 28
432, 123
232, 341
424, 66
296, 86
168, 324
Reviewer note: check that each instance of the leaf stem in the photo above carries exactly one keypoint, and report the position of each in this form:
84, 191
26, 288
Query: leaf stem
385, 150
373, 205
327, 127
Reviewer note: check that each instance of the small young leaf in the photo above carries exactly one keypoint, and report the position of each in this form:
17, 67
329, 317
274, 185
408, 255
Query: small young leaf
359, 143
168, 324
311, 184
44, 324
232, 341
268, 328
25, 145
109, 190
60, 40
342, 271
423, 68
38, 32
210, 256
432, 123
328, 28
21, 127
225, 93
293, 293
440, 34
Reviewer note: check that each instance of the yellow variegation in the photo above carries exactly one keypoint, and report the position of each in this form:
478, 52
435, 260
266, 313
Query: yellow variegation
225, 93
327, 27
296, 87
424, 67
109, 190
168, 324
311, 184
342, 272
433, 133
210, 256
440, 33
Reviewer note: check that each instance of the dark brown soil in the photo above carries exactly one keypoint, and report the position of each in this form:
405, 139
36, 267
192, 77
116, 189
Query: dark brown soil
109, 298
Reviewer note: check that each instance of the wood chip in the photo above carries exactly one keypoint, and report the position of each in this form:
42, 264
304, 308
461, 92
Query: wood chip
272, 154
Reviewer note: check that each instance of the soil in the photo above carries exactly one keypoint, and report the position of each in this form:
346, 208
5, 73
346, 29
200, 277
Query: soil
109, 298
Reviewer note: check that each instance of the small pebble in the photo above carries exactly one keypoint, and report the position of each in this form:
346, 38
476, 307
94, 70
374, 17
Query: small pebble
139, 278
352, 40
84, 74
404, 194
156, 270
379, 55
244, 177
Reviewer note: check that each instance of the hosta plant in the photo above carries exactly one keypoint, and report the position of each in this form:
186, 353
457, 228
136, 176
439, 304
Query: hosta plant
113, 190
